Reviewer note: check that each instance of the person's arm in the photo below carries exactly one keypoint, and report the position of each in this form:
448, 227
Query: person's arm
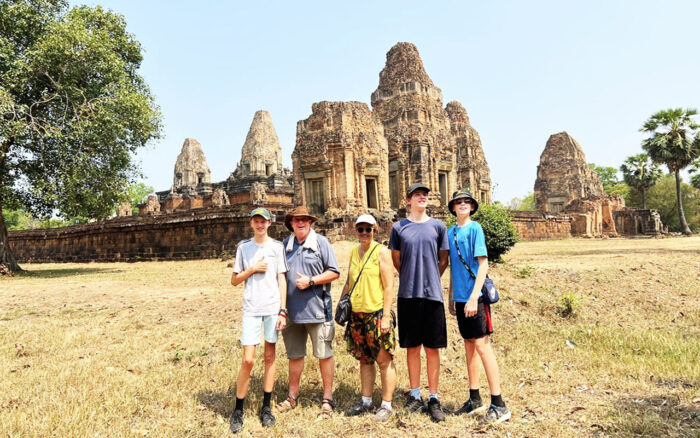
239, 277
346, 288
396, 259
471, 307
282, 283
451, 305
386, 274
443, 258
322, 278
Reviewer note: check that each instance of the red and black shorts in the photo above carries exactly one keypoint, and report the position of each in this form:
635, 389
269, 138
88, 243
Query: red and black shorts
476, 326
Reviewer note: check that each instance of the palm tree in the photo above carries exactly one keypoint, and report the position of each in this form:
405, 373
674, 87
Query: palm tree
671, 143
695, 168
640, 173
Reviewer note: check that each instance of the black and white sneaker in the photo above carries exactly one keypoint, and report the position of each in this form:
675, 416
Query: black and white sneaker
266, 417
495, 415
237, 421
359, 409
435, 410
414, 405
471, 407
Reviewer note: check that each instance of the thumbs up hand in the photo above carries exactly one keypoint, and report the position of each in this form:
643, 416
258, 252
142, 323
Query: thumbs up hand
260, 265
303, 281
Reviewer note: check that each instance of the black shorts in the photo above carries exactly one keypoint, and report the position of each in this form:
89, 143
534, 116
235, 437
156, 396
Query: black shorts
421, 322
476, 326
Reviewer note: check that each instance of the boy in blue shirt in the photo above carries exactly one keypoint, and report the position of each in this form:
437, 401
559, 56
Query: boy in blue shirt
468, 246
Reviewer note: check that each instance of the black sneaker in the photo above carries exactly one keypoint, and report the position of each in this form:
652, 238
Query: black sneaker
495, 415
435, 410
236, 421
471, 407
266, 417
414, 405
359, 409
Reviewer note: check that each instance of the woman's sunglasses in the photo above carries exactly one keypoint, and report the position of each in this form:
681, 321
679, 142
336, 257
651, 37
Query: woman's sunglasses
364, 230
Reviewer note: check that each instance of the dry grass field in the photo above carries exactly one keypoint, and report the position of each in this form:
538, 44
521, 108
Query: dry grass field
594, 338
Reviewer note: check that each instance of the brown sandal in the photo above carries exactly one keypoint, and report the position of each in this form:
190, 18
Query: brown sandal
327, 408
288, 404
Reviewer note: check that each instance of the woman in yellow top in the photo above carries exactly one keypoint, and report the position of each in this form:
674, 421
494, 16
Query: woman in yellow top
370, 332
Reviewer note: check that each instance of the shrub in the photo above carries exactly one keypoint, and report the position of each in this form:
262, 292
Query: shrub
568, 305
526, 271
498, 230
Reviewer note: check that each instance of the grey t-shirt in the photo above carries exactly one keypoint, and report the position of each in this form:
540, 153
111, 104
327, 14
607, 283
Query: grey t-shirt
313, 304
419, 243
261, 295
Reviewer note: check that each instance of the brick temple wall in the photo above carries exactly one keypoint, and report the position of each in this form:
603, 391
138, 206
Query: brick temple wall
535, 225
192, 234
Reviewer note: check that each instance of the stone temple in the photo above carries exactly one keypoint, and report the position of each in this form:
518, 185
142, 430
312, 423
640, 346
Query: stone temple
259, 177
571, 201
349, 159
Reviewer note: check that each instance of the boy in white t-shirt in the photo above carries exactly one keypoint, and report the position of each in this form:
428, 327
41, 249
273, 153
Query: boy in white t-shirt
262, 264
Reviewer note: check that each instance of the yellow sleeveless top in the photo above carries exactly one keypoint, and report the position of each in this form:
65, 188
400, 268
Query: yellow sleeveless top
368, 296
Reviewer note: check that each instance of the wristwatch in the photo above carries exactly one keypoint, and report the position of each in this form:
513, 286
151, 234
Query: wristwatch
311, 281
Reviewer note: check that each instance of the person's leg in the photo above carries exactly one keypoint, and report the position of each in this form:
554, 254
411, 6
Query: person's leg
387, 371
433, 367
327, 373
367, 376
295, 336
488, 358
269, 378
472, 363
413, 366
247, 362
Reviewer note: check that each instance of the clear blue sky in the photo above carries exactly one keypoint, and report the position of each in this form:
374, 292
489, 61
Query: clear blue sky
523, 70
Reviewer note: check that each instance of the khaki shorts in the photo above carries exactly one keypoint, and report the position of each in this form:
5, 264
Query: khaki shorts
322, 333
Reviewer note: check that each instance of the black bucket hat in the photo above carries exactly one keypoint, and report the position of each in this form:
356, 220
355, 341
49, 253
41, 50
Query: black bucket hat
459, 194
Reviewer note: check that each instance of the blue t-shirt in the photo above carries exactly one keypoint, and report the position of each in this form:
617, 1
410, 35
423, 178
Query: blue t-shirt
313, 304
472, 244
419, 243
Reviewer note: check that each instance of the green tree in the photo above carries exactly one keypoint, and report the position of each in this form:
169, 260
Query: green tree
73, 110
136, 194
661, 197
499, 232
608, 176
671, 143
526, 203
695, 172
641, 173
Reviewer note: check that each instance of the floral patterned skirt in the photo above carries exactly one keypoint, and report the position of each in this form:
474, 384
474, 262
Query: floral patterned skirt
364, 337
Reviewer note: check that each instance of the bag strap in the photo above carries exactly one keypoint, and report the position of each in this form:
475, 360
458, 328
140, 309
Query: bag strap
459, 253
363, 266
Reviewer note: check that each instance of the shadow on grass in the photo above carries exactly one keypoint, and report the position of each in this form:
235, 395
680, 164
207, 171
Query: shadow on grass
58, 273
310, 395
654, 416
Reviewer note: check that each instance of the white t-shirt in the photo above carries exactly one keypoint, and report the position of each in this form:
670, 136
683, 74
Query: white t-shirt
261, 295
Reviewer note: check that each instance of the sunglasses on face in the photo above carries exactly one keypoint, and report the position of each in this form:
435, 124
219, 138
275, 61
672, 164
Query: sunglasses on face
300, 219
364, 230
462, 201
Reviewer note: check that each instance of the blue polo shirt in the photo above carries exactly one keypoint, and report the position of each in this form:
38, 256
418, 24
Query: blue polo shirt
472, 244
313, 304
419, 243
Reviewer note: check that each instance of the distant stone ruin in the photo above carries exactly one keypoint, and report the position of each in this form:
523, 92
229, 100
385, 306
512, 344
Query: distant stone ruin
344, 162
259, 176
571, 201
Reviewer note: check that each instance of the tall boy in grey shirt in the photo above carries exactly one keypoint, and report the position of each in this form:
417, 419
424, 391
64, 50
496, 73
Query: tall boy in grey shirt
420, 249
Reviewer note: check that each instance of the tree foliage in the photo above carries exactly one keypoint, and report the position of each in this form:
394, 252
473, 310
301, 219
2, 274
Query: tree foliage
73, 108
608, 176
499, 231
527, 203
641, 173
662, 197
673, 142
